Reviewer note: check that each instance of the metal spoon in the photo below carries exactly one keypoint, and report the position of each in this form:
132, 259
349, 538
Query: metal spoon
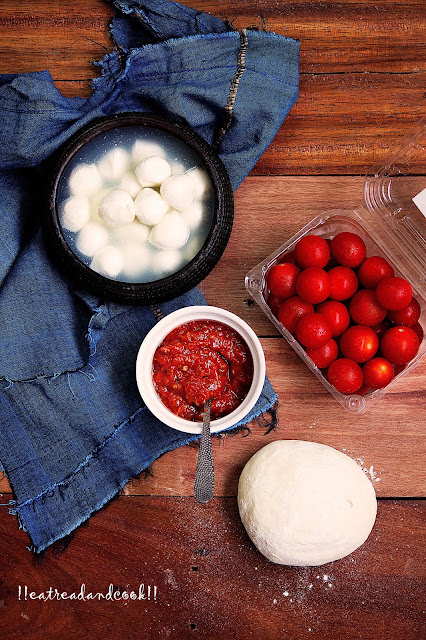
204, 473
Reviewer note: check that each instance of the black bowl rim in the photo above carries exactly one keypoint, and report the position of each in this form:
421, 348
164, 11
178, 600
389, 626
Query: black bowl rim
194, 271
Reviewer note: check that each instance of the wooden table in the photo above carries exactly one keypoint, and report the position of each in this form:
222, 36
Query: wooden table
362, 86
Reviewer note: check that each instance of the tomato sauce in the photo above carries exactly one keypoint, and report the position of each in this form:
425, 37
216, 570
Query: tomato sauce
199, 361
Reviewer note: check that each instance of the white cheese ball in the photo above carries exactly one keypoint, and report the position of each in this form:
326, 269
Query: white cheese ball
142, 149
117, 208
108, 261
194, 214
166, 262
152, 171
171, 232
150, 206
130, 184
179, 191
114, 164
133, 232
91, 238
85, 180
136, 259
177, 168
75, 213
305, 504
202, 182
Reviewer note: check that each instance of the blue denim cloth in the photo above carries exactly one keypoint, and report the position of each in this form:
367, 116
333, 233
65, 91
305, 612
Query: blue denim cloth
73, 428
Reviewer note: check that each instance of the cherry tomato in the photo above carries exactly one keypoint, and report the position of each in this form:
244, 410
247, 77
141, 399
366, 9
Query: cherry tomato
378, 372
313, 285
291, 310
407, 316
381, 328
343, 283
282, 278
325, 355
399, 345
288, 256
274, 303
313, 330
418, 330
345, 375
336, 314
373, 270
365, 308
312, 251
359, 343
394, 293
348, 249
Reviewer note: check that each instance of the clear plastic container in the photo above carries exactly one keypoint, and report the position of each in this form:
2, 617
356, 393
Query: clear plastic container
391, 224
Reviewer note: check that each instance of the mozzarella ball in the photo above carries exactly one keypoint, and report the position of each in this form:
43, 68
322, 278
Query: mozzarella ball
136, 259
75, 213
171, 232
152, 171
108, 261
166, 262
177, 168
117, 208
130, 184
179, 191
150, 206
85, 180
194, 214
91, 238
143, 149
133, 232
114, 164
202, 182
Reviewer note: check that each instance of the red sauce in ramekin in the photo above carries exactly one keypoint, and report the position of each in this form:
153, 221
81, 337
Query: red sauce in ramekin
199, 361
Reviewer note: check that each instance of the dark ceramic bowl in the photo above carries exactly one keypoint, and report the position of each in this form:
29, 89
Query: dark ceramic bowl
185, 149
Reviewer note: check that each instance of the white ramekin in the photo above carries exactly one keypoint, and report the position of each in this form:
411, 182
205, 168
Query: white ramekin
155, 337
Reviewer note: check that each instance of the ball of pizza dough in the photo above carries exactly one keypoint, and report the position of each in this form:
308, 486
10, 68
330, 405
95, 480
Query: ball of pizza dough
304, 503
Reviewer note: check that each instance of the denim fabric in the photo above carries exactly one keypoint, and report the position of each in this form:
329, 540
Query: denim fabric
73, 428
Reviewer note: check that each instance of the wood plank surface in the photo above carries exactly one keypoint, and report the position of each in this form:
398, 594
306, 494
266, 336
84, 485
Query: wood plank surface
211, 581
362, 67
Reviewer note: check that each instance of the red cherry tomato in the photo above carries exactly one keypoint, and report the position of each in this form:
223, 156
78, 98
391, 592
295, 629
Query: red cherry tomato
359, 343
291, 310
381, 328
394, 293
418, 330
373, 270
343, 283
274, 303
313, 330
288, 256
282, 278
345, 375
365, 308
407, 316
313, 285
325, 355
336, 314
312, 251
399, 345
348, 249
378, 372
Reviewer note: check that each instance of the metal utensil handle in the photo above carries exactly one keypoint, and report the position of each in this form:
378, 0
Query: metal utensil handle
204, 473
